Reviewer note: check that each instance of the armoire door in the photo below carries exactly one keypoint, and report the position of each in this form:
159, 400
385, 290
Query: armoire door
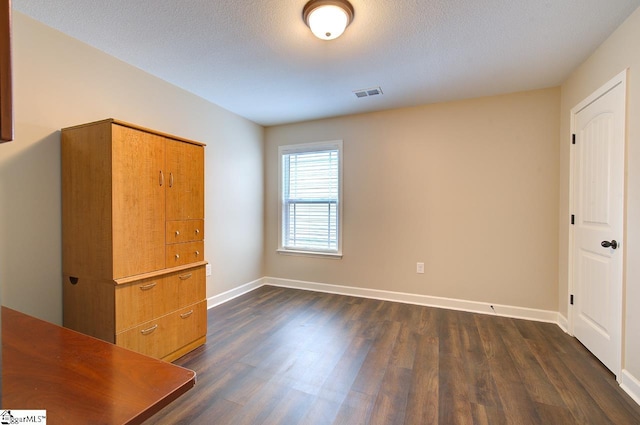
185, 187
139, 182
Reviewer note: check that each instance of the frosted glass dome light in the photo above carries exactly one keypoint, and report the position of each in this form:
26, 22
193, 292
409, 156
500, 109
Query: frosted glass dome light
327, 18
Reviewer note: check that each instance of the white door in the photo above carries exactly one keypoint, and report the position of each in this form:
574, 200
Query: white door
598, 205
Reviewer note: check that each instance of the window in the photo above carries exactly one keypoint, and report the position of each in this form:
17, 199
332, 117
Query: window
311, 198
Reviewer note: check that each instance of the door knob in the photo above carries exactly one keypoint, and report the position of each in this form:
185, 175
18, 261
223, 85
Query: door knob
606, 244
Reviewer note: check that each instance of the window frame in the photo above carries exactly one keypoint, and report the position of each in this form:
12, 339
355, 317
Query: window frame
304, 148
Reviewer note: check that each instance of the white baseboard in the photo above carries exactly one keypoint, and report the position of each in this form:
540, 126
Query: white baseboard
448, 303
631, 385
234, 293
563, 322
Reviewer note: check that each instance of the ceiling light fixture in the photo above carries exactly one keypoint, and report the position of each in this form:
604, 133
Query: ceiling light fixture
327, 18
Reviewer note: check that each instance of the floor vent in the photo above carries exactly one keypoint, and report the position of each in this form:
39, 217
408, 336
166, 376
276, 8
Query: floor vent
368, 92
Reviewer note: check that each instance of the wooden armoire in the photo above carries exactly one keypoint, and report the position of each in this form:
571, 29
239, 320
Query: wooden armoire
133, 237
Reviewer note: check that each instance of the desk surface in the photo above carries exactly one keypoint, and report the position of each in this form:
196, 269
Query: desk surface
80, 379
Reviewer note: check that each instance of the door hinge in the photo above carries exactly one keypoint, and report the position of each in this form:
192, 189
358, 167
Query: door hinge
571, 299
573, 139
573, 219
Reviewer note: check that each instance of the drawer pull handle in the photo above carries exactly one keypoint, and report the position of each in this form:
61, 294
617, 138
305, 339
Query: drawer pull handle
148, 331
147, 287
185, 276
187, 314
197, 231
177, 256
177, 233
197, 253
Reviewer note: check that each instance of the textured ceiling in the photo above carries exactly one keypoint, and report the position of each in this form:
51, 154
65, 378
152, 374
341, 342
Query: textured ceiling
259, 60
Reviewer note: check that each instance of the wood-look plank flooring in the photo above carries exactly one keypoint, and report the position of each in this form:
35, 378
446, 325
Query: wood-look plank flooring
286, 356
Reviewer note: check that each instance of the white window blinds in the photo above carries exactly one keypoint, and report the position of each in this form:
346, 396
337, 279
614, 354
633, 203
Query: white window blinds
311, 198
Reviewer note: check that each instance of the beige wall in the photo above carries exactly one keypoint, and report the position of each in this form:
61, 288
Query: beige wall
470, 188
619, 52
59, 82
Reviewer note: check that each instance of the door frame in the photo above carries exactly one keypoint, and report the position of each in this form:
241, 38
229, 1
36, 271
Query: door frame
619, 79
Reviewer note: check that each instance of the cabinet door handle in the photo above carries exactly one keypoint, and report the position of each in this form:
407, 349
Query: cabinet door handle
185, 276
161, 178
197, 231
148, 331
197, 253
170, 179
177, 233
147, 287
187, 314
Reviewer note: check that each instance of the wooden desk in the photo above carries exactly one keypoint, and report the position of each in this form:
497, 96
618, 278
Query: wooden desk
79, 379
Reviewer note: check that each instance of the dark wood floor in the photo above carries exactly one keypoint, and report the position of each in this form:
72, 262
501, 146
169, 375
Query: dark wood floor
284, 356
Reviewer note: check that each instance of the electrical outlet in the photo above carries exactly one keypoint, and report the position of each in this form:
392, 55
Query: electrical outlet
419, 267
208, 270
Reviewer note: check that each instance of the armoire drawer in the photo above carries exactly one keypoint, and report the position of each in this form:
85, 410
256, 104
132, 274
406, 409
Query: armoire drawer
191, 284
184, 253
180, 231
144, 300
161, 337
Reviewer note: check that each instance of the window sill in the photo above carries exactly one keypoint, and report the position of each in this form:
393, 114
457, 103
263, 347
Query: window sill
329, 255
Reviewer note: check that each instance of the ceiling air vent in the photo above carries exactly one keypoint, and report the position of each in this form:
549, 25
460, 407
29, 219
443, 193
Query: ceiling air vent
368, 92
